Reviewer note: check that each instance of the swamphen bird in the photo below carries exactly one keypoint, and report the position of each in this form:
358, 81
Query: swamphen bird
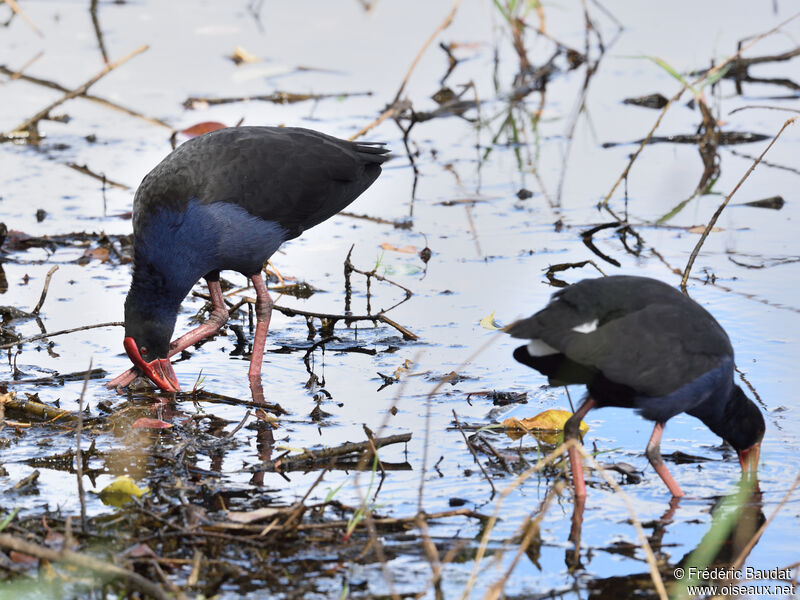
639, 343
227, 200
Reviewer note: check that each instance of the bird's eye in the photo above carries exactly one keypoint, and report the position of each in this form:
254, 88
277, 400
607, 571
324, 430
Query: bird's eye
143, 351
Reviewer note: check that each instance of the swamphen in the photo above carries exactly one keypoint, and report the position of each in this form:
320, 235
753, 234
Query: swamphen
227, 200
639, 343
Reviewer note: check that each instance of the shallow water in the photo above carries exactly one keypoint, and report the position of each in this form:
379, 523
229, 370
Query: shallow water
488, 256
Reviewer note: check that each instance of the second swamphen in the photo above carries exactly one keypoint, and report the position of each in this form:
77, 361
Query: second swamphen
227, 200
638, 343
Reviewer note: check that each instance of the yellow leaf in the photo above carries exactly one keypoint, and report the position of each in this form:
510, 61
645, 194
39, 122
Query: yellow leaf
241, 55
120, 491
547, 426
489, 323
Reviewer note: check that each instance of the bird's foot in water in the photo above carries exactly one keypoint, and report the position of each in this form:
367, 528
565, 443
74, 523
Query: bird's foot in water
257, 390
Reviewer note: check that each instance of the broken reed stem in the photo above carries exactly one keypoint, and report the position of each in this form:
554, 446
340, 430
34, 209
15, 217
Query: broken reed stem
85, 562
487, 530
722, 206
529, 529
679, 93
651, 559
757, 536
19, 12
444, 25
78, 455
394, 110
430, 396
47, 278
474, 455
655, 575
25, 126
42, 336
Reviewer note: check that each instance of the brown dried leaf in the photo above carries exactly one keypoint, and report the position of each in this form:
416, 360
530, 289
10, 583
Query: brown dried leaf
202, 127
100, 254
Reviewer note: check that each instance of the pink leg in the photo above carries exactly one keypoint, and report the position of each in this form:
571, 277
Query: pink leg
572, 431
263, 315
218, 318
653, 454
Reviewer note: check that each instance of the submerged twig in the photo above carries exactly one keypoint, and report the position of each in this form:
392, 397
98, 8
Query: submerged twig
85, 562
47, 278
275, 97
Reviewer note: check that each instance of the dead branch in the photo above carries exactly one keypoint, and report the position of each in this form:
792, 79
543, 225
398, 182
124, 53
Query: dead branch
87, 171
99, 100
275, 97
42, 336
474, 456
36, 409
315, 455
442, 26
400, 224
378, 317
85, 562
59, 378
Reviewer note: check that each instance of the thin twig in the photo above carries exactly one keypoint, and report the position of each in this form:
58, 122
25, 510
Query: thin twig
291, 312
78, 455
722, 206
107, 103
42, 336
391, 112
26, 125
655, 575
444, 25
443, 381
47, 278
15, 7
474, 456
677, 95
